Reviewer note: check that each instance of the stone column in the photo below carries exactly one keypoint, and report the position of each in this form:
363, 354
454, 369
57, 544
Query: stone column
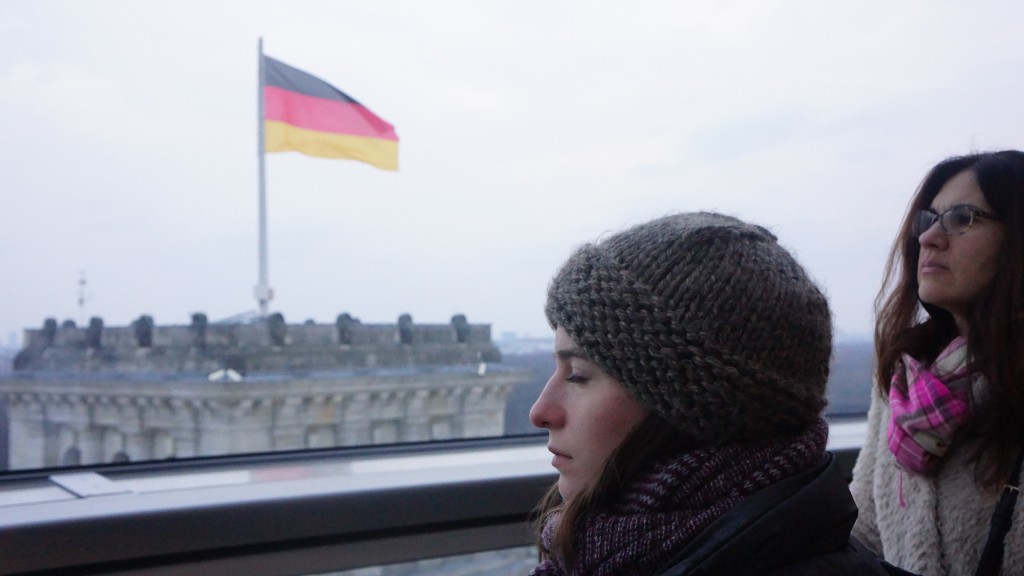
416, 424
288, 431
184, 429
27, 432
90, 442
355, 420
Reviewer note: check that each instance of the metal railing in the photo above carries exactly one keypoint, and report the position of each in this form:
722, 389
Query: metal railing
286, 514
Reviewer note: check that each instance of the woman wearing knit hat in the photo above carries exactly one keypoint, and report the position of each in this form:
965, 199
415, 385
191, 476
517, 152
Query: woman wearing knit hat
946, 423
684, 412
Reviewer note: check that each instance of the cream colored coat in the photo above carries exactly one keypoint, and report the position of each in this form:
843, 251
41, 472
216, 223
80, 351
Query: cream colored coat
943, 526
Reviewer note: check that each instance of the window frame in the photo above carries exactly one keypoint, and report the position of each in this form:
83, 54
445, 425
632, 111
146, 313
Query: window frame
307, 512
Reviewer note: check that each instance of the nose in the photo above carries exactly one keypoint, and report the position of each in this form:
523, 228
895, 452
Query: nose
547, 412
933, 237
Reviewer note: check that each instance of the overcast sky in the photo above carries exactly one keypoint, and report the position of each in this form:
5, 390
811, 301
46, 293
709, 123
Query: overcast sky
129, 145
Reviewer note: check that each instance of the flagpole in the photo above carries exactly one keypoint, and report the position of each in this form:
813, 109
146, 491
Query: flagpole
263, 291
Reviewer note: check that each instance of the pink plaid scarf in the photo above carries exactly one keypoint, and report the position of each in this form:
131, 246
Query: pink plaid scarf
937, 403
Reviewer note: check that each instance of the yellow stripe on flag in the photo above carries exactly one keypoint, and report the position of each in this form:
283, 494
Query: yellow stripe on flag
281, 137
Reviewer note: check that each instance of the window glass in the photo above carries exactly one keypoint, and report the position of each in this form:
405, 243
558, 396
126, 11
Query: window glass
207, 249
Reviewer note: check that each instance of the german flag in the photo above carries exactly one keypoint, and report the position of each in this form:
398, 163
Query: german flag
302, 112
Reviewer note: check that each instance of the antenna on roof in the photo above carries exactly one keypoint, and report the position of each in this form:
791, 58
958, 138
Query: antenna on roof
81, 298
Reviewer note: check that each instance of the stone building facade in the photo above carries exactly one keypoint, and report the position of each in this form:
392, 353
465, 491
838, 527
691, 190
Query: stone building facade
143, 392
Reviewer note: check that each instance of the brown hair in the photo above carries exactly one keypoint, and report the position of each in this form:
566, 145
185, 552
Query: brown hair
652, 439
995, 340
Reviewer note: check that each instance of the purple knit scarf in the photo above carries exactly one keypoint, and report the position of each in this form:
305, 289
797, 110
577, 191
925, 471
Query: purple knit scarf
666, 507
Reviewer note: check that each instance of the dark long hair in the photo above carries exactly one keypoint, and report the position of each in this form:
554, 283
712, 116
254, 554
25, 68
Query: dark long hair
995, 321
652, 439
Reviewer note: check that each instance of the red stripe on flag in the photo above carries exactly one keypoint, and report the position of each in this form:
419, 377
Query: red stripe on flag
314, 113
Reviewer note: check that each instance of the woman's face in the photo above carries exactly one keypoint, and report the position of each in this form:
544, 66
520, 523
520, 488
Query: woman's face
953, 270
587, 414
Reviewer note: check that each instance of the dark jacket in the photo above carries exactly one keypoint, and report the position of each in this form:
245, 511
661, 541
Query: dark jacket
798, 526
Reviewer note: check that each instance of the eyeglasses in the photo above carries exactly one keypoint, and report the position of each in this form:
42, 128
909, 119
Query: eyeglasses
956, 220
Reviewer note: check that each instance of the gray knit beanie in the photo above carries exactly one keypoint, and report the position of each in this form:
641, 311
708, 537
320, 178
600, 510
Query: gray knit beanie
706, 320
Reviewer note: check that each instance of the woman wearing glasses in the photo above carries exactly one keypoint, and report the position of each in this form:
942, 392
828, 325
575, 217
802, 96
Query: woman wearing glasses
946, 424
